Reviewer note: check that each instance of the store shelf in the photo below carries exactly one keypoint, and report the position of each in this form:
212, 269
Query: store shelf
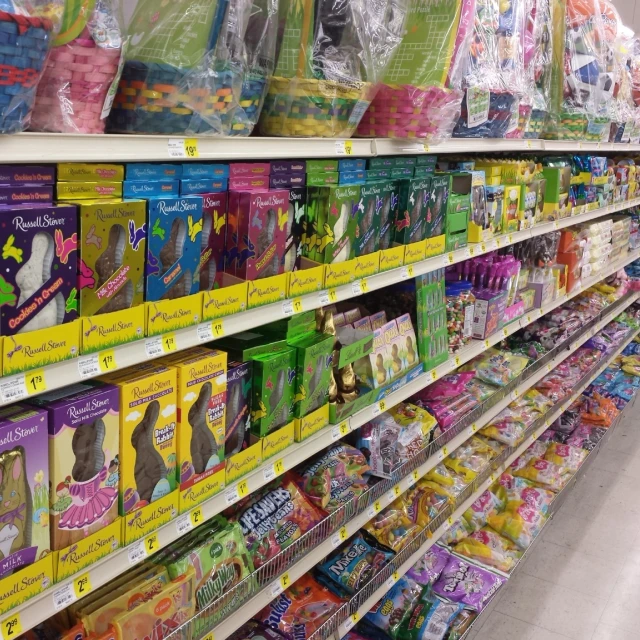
52, 147
42, 607
61, 374
350, 617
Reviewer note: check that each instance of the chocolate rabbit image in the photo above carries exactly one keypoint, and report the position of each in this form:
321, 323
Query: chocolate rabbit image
203, 444
169, 255
107, 264
149, 468
15, 503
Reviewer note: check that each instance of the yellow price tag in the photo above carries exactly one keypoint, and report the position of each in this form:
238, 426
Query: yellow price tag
410, 271
396, 576
396, 491
151, 544
196, 517
82, 585
217, 328
285, 581
510, 238
474, 427
556, 225
364, 285
209, 636
34, 381
434, 375
498, 242
278, 467
169, 342
191, 148
450, 521
107, 360
445, 451
297, 306
415, 475
377, 507
355, 617
471, 250
243, 488
529, 144
505, 332
343, 534
383, 406
458, 361
425, 146
333, 295
483, 247
529, 318
344, 428
486, 344
492, 478
11, 627
348, 147
516, 393
450, 258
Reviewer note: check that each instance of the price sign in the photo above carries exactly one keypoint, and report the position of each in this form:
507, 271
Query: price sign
153, 347
338, 538
351, 621
204, 332
151, 544
183, 148
35, 382
137, 552
63, 597
217, 327
169, 343
11, 627
275, 470
450, 258
434, 375
107, 360
505, 332
407, 272
289, 307
344, 147
330, 296
483, 247
282, 583
487, 344
472, 251
457, 361
392, 579
359, 287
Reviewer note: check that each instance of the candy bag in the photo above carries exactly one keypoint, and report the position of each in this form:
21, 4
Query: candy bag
428, 619
428, 569
520, 524
461, 624
452, 482
392, 527
377, 440
490, 548
568, 458
499, 367
514, 491
586, 437
424, 501
467, 583
302, 609
352, 566
476, 515
459, 530
275, 517
389, 612
449, 386
506, 429
542, 472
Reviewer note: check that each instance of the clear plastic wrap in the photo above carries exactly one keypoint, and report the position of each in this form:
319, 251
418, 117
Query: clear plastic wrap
27, 29
196, 67
421, 90
494, 79
330, 55
623, 110
579, 86
81, 76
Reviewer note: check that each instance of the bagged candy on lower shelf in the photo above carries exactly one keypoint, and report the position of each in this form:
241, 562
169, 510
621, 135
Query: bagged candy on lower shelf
568, 458
452, 482
428, 569
520, 523
429, 618
468, 584
389, 612
511, 492
461, 625
424, 501
542, 472
499, 367
459, 530
476, 515
490, 548
392, 527
449, 386
254, 629
586, 437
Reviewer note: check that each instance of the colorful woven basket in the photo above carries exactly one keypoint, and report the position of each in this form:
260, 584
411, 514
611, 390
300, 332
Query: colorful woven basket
73, 89
536, 124
24, 43
524, 115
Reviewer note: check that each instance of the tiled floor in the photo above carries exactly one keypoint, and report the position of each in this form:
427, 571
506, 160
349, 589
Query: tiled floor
582, 579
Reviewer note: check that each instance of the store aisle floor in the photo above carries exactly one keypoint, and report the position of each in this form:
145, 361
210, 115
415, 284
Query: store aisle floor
581, 580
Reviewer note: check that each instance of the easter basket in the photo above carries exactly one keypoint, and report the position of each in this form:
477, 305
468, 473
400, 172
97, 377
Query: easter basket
24, 44
80, 77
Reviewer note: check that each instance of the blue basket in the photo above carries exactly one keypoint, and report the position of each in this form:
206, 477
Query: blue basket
24, 44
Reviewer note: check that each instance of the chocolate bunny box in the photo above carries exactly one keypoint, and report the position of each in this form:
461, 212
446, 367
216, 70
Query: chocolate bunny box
201, 394
173, 247
148, 446
113, 243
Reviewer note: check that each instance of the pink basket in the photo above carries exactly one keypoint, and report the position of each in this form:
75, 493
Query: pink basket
72, 93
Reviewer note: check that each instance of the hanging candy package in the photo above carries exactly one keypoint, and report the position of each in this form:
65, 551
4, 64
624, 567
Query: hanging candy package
420, 91
28, 30
82, 73
494, 74
196, 67
330, 56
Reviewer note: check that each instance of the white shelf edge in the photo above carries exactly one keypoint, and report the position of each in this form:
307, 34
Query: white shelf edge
64, 373
486, 484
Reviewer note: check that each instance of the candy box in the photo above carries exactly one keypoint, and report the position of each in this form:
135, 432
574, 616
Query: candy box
274, 375
148, 437
257, 233
25, 194
511, 211
287, 181
248, 169
375, 198
113, 244
245, 183
203, 185
405, 344
322, 166
149, 188
39, 267
414, 196
458, 208
201, 170
173, 248
25, 174
285, 167
556, 197
480, 224
431, 161
24, 484
202, 392
212, 239
351, 164
402, 173
314, 358
323, 179
438, 204
295, 228
83, 460
152, 171
80, 172
238, 411
488, 315
378, 174
374, 369
352, 177
495, 207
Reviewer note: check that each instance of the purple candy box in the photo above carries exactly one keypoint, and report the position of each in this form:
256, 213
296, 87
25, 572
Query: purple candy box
24, 487
39, 265
22, 174
22, 194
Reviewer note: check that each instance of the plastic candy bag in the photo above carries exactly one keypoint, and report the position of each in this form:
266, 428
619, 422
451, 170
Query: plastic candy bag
429, 618
392, 527
428, 569
568, 458
520, 524
389, 612
476, 515
424, 501
490, 548
542, 472
500, 367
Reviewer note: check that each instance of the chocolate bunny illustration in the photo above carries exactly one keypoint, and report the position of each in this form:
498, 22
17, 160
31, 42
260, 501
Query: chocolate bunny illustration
276, 395
366, 225
87, 448
235, 430
107, 264
203, 444
15, 503
169, 255
149, 468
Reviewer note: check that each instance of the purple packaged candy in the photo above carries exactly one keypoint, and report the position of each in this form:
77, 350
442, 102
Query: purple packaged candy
467, 583
24, 485
429, 568
288, 181
238, 412
25, 194
39, 267
283, 167
27, 174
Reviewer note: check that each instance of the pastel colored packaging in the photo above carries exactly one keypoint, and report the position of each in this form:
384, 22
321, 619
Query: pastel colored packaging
288, 181
295, 227
24, 194
27, 174
113, 246
351, 567
152, 171
428, 569
490, 548
84, 463
24, 483
428, 618
81, 172
212, 239
414, 195
280, 167
196, 187
390, 610
238, 409
249, 169
88, 190
200, 170
369, 217
257, 233
39, 267
274, 518
150, 188
201, 412
148, 437
173, 247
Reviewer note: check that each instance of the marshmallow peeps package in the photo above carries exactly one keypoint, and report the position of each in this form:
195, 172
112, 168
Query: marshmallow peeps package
148, 435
